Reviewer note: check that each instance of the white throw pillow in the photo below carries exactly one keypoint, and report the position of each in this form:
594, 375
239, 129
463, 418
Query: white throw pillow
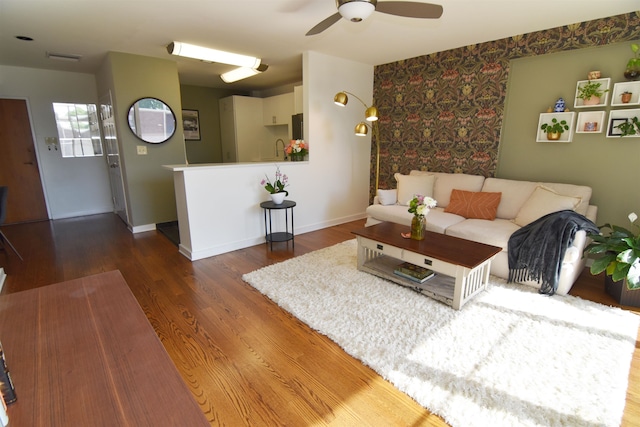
544, 201
410, 185
387, 197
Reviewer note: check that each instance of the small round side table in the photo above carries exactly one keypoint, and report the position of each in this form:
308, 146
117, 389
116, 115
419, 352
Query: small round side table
281, 236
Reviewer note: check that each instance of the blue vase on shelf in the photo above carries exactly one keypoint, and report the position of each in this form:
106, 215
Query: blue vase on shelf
559, 107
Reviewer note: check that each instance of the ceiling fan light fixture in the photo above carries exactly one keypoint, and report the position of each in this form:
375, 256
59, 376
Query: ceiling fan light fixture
356, 10
212, 55
242, 73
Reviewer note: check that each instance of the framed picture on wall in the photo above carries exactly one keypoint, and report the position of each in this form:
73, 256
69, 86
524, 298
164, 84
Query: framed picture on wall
613, 130
191, 125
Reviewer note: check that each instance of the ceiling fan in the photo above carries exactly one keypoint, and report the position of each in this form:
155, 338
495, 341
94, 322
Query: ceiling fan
359, 10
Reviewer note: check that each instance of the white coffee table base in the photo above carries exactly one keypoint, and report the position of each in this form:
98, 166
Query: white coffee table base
453, 284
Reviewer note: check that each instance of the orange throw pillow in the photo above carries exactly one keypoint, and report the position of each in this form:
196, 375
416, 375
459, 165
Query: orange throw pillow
469, 204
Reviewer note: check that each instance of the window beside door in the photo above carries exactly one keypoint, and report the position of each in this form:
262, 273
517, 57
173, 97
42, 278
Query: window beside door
78, 129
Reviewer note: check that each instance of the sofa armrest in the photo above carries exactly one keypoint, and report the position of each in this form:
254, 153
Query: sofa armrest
376, 200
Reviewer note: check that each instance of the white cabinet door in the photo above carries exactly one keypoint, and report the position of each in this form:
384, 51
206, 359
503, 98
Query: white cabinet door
277, 110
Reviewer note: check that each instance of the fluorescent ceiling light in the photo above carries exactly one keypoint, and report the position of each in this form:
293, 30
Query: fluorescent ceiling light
64, 57
212, 55
242, 73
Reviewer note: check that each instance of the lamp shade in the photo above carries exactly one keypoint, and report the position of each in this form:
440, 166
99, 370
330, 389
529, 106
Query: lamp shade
341, 99
212, 55
371, 114
361, 129
356, 11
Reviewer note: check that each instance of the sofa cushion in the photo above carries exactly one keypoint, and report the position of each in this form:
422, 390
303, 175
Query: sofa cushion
494, 233
544, 201
387, 197
409, 186
473, 204
437, 219
514, 194
581, 191
445, 182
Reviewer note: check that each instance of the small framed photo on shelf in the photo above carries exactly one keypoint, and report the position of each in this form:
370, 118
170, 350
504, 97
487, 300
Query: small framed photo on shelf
613, 126
191, 125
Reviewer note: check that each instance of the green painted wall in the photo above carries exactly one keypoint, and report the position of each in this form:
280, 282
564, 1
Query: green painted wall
148, 186
608, 165
205, 100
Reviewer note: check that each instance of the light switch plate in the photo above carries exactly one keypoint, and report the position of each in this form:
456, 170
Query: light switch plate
142, 150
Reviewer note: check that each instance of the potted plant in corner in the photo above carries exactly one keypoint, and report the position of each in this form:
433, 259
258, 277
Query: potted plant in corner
590, 92
619, 252
554, 129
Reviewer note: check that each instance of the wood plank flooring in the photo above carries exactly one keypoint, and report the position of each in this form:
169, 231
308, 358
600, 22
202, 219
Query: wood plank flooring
247, 361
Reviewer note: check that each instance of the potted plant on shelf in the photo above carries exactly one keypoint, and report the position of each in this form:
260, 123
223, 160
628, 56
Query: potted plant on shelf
590, 92
632, 71
630, 127
554, 129
619, 252
625, 97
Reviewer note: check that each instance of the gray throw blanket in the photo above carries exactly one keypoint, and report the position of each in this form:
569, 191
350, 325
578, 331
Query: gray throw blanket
536, 251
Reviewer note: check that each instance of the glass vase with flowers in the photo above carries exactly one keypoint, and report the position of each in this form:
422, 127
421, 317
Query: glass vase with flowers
419, 206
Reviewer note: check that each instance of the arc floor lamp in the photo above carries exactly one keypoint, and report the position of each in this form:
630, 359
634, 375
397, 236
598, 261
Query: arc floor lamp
362, 128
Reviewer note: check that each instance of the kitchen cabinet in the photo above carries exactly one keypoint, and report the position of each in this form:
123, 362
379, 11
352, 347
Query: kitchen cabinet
277, 110
241, 128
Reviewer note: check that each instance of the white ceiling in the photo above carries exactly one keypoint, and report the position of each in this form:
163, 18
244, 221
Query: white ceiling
273, 30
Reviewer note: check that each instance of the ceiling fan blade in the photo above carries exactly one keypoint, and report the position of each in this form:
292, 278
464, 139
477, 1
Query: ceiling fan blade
410, 9
323, 25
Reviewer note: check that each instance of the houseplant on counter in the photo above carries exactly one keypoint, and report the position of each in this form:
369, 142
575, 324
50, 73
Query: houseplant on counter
620, 260
419, 206
297, 150
276, 189
590, 92
554, 129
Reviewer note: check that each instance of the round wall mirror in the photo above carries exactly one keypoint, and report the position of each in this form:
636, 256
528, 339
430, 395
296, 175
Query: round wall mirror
152, 120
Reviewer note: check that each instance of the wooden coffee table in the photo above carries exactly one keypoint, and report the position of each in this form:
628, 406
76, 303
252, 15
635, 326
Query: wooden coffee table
462, 266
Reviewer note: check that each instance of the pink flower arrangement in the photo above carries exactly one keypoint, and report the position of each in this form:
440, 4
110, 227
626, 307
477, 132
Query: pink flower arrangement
297, 146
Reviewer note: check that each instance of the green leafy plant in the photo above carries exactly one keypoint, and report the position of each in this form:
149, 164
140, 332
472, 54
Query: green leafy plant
555, 126
278, 185
630, 127
591, 89
620, 250
634, 62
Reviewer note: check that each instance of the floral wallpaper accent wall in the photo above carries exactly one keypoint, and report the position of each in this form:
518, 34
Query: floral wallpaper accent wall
443, 112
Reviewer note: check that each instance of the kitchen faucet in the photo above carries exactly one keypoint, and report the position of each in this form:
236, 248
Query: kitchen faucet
283, 151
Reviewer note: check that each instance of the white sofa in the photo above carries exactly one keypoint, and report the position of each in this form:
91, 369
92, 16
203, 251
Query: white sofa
469, 214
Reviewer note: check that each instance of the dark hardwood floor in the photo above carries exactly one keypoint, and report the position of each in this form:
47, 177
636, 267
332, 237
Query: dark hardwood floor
247, 361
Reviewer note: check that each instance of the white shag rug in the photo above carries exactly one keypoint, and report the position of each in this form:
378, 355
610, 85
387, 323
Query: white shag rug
510, 357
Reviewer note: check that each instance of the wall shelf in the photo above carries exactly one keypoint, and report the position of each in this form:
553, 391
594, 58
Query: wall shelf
590, 122
619, 116
619, 88
605, 84
567, 136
